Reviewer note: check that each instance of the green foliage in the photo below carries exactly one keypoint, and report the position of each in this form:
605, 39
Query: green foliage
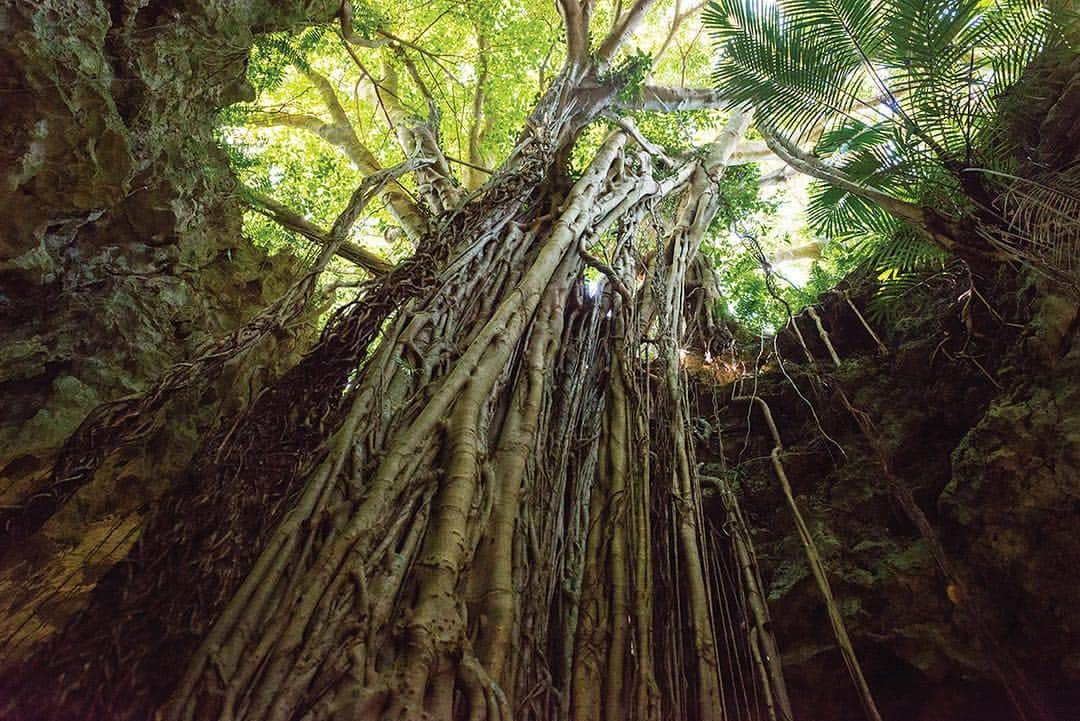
740, 197
677, 133
745, 232
898, 95
367, 18
936, 66
274, 53
901, 96
629, 75
894, 298
313, 177
760, 298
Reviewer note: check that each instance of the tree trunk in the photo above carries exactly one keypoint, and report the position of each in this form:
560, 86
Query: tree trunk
460, 505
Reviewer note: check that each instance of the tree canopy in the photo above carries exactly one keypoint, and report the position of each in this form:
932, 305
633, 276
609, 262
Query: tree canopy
326, 106
899, 99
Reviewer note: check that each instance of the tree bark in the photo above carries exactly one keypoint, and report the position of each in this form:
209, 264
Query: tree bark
444, 512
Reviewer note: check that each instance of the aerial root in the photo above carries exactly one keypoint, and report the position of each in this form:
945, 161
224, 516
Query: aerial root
487, 701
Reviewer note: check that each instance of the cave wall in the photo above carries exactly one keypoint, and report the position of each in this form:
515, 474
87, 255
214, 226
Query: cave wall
977, 407
121, 253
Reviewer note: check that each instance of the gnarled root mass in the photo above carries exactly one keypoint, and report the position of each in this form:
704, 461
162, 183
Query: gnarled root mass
475, 499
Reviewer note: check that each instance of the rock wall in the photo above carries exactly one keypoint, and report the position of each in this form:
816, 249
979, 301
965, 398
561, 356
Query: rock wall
121, 253
977, 408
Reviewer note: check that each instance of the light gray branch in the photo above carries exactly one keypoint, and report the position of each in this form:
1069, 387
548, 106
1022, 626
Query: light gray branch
623, 30
345, 18
575, 14
665, 99
808, 164
291, 220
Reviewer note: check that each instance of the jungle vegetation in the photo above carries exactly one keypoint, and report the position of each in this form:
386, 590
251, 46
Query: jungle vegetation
514, 219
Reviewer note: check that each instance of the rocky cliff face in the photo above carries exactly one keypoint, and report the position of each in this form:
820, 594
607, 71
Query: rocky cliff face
121, 254
977, 408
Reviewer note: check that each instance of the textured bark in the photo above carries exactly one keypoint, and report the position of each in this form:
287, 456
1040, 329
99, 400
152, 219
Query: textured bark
451, 533
478, 496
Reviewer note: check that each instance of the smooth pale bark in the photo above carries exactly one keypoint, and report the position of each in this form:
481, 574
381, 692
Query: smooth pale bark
667, 99
341, 134
623, 29
813, 167
455, 457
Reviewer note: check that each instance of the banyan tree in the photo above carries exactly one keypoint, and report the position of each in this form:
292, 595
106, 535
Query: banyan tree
473, 492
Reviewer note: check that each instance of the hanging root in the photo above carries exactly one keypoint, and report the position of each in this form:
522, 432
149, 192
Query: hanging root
817, 567
131, 420
487, 702
974, 617
824, 335
492, 513
762, 643
882, 349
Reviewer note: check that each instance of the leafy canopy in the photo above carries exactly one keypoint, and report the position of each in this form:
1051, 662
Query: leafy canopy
899, 96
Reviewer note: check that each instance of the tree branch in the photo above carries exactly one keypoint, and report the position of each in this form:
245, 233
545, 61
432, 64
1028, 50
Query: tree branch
676, 23
644, 143
726, 141
594, 262
473, 166
418, 138
375, 84
424, 52
575, 15
333, 133
414, 73
293, 221
341, 133
666, 99
402, 207
334, 242
301, 121
477, 127
776, 177
622, 31
809, 165
345, 17
751, 151
358, 152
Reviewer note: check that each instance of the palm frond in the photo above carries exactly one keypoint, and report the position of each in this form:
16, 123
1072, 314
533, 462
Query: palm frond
934, 72
852, 135
850, 27
940, 65
924, 33
899, 261
1044, 222
790, 73
907, 251
835, 213
896, 296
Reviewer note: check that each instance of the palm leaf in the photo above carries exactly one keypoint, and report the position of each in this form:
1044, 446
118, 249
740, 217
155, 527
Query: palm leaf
852, 135
793, 75
835, 213
851, 28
